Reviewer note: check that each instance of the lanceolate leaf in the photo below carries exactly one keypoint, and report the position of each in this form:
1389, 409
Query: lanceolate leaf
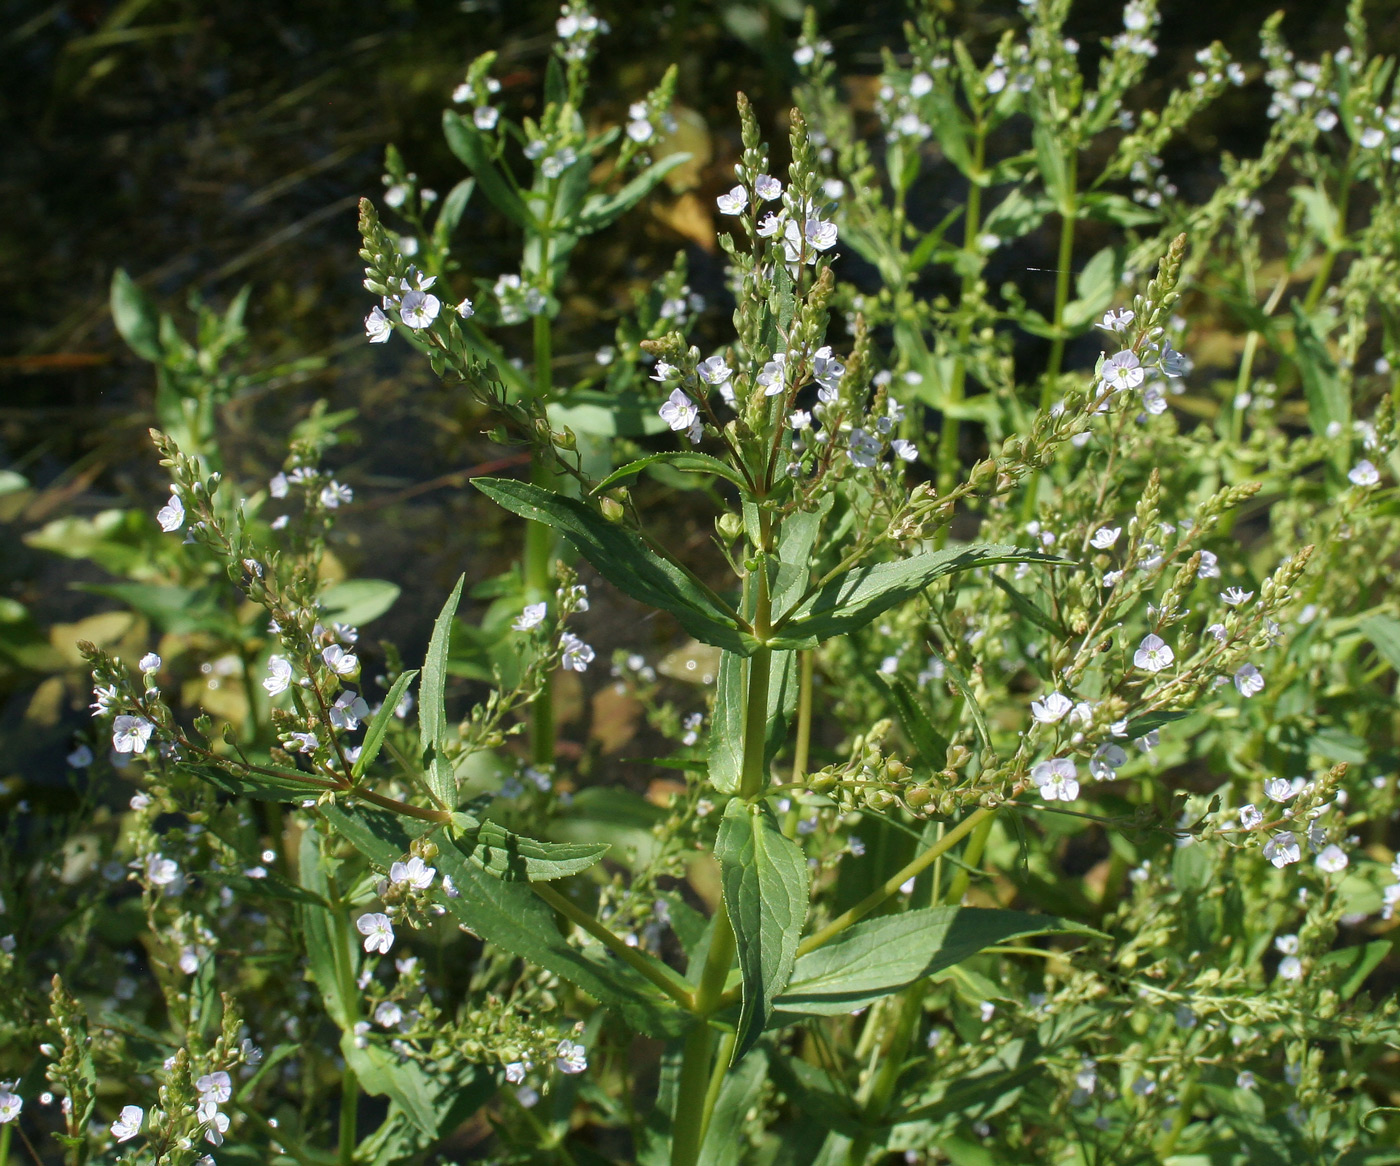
379, 725
467, 142
765, 881
601, 210
694, 463
513, 856
857, 596
432, 717
511, 916
932, 746
626, 562
264, 787
876, 957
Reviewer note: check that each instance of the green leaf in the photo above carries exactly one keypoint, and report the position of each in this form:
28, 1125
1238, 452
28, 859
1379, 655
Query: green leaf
432, 706
856, 597
513, 856
738, 1095
272, 885
358, 601
135, 317
453, 207
601, 414
974, 710
1384, 633
1029, 610
694, 463
1019, 213
263, 787
379, 725
1329, 398
1117, 209
1358, 961
876, 957
928, 742
318, 933
726, 748
766, 883
795, 542
601, 210
468, 143
435, 1102
514, 918
180, 610
1095, 288
1053, 166
626, 561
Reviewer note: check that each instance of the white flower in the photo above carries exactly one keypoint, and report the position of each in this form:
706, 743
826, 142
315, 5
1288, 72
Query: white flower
1153, 654
1234, 596
418, 309
215, 1087
714, 371
827, 369
306, 742
1117, 321
1332, 860
679, 411
279, 675
735, 202
1249, 680
171, 516
387, 1014
378, 327
131, 734
920, 84
333, 494
570, 1057
377, 930
1279, 789
771, 225
1364, 474
150, 662
1052, 708
348, 711
216, 1122
767, 187
904, 449
1282, 849
1290, 968
1122, 371
1107, 760
415, 873
1209, 567
1250, 817
465, 309
10, 1105
1056, 779
128, 1123
1286, 944
515, 1072
80, 758
863, 450
799, 419
485, 117
339, 661
160, 871
1105, 537
576, 654
771, 377
987, 1010
996, 81
815, 235
531, 617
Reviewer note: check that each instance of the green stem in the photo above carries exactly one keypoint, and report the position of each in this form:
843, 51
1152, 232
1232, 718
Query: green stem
878, 1090
653, 970
5, 1133
723, 1055
688, 1130
539, 554
972, 856
972, 267
350, 999
806, 670
349, 1098
1189, 1092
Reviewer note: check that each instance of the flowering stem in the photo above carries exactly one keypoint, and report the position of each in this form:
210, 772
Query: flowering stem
653, 970
5, 1143
539, 553
971, 252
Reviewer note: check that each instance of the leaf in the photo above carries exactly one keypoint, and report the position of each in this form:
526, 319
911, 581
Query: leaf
513, 856
358, 601
695, 463
318, 934
625, 560
795, 542
436, 1102
135, 317
260, 786
1019, 213
1054, 168
856, 597
511, 916
737, 1096
602, 414
1384, 633
467, 142
1095, 288
974, 710
1029, 610
1141, 726
379, 725
1358, 961
600, 210
726, 748
172, 609
432, 706
928, 742
453, 207
272, 885
765, 882
1329, 400
876, 957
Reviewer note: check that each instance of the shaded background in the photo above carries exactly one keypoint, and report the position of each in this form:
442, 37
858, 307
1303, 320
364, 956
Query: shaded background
204, 146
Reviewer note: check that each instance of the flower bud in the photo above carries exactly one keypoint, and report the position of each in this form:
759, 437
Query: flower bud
612, 509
